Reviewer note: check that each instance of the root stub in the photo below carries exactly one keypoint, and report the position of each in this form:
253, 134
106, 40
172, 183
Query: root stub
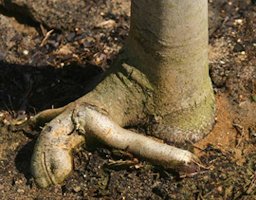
52, 161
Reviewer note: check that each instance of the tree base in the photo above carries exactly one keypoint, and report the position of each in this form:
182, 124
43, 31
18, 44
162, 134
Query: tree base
191, 124
120, 100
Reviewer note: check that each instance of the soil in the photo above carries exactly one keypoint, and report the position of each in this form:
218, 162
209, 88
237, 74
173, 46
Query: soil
61, 67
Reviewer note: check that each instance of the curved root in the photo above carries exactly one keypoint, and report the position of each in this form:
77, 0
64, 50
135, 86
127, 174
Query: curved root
94, 123
52, 160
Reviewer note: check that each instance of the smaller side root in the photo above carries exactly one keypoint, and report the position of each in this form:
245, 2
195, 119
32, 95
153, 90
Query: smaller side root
39, 119
45, 116
92, 122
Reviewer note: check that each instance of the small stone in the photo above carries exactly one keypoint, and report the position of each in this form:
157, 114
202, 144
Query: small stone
20, 191
77, 189
220, 189
25, 52
238, 22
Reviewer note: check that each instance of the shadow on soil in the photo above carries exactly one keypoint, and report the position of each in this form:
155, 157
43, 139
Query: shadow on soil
27, 88
23, 158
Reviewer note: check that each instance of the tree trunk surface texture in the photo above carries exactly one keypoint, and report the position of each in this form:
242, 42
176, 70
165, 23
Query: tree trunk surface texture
168, 42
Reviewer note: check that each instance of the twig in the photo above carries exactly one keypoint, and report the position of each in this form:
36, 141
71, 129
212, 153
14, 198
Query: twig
240, 130
47, 35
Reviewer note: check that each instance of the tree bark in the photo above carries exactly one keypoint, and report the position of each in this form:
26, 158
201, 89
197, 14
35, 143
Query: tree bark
161, 78
168, 42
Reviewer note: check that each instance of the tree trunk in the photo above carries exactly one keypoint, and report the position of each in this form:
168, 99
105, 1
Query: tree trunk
168, 42
161, 78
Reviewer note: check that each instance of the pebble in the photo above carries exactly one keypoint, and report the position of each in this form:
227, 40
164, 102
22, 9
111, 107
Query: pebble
25, 52
238, 22
20, 191
77, 188
220, 189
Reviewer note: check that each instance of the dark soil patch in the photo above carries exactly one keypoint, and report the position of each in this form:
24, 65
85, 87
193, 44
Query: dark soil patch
66, 67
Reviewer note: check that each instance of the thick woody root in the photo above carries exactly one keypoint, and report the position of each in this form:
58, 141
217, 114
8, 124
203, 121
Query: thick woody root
52, 160
94, 123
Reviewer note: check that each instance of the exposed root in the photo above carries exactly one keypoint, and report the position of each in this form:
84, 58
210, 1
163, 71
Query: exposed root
52, 160
92, 122
39, 119
45, 116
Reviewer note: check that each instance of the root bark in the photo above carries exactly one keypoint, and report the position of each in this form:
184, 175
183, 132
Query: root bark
120, 100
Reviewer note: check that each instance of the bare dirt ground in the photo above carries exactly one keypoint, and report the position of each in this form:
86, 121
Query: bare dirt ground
59, 69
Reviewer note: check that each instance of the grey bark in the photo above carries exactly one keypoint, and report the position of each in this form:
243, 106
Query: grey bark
168, 41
